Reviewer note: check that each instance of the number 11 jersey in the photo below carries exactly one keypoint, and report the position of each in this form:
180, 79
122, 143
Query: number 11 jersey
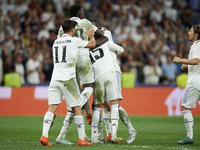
65, 50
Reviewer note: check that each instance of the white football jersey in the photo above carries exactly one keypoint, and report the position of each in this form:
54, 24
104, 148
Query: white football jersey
65, 50
115, 51
101, 60
82, 26
194, 70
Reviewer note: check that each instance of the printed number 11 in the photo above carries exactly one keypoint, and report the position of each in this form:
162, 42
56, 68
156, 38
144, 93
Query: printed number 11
63, 54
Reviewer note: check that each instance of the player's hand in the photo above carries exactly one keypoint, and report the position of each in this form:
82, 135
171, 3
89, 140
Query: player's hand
176, 59
184, 67
90, 33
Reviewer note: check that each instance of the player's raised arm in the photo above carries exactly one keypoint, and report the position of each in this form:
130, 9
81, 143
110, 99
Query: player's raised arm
91, 43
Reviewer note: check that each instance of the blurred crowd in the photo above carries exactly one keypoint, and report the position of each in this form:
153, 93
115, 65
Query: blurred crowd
152, 32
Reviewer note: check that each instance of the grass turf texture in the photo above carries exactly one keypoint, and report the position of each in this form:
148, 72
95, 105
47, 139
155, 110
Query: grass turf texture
154, 133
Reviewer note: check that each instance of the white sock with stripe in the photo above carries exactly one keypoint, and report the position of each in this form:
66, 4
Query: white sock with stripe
48, 117
85, 95
95, 122
188, 120
66, 125
114, 118
107, 121
79, 121
125, 119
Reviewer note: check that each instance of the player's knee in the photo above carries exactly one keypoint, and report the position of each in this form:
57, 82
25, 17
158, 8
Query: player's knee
183, 108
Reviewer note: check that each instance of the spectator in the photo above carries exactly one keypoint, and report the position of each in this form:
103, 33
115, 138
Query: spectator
152, 72
48, 16
169, 70
33, 69
12, 78
19, 68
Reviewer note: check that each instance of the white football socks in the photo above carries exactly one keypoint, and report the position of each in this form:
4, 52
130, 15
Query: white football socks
100, 128
86, 108
85, 95
114, 118
48, 117
107, 121
125, 119
66, 125
79, 121
188, 120
95, 122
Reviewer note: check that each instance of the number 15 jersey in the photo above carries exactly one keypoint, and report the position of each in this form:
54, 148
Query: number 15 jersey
101, 59
65, 50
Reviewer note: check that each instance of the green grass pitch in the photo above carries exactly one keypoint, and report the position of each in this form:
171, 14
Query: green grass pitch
154, 133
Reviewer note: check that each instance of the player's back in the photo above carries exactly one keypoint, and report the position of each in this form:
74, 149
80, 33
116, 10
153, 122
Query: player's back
101, 60
65, 50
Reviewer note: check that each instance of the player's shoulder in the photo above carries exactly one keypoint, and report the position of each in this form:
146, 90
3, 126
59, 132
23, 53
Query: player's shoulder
85, 22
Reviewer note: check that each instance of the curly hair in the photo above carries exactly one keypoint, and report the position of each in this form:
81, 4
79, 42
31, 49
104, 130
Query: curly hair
74, 10
196, 29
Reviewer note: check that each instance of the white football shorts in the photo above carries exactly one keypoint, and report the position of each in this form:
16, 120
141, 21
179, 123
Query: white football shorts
69, 89
84, 69
190, 97
106, 88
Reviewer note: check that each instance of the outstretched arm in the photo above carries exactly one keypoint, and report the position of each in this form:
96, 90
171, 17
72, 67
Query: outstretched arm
193, 61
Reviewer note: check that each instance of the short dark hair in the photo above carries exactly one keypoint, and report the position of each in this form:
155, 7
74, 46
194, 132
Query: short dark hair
74, 10
196, 29
68, 24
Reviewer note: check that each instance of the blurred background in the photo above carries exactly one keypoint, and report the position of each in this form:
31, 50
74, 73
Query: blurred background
152, 32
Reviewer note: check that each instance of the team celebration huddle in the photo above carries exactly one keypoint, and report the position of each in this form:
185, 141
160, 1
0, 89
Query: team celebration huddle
85, 63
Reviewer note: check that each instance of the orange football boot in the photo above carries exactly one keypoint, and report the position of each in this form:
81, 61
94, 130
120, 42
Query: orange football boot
44, 141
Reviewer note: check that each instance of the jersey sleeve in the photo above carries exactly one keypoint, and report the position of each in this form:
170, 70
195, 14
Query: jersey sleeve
114, 47
60, 32
108, 34
80, 43
196, 53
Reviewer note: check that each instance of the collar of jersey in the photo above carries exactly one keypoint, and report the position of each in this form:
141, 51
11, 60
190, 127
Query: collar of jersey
66, 35
75, 18
196, 42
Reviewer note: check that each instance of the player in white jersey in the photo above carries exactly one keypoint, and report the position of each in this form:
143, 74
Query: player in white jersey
83, 67
192, 91
63, 81
106, 111
105, 88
